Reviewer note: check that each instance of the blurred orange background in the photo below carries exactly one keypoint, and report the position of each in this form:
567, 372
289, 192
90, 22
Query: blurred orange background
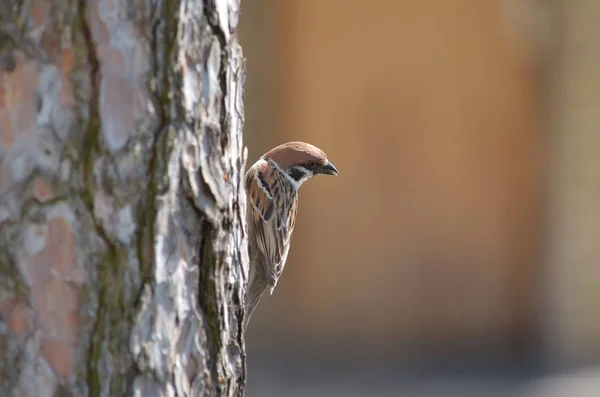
466, 217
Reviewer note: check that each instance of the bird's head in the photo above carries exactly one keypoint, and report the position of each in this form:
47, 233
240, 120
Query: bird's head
300, 161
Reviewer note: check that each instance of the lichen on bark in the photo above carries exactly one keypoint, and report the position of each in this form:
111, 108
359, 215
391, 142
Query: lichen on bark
123, 251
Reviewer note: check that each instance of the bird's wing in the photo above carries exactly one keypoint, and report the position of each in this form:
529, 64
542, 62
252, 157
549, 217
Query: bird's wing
273, 215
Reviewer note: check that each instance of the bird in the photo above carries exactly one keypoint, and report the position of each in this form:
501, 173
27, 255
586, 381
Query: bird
272, 185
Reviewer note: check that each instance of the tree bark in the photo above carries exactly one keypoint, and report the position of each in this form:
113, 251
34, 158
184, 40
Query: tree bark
123, 257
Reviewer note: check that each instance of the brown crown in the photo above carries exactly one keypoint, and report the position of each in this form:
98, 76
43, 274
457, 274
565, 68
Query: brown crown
294, 153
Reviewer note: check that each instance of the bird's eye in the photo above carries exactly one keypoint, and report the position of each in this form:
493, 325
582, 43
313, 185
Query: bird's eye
310, 164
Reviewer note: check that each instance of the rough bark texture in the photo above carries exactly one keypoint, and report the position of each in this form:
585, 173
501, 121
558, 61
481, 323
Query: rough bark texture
123, 258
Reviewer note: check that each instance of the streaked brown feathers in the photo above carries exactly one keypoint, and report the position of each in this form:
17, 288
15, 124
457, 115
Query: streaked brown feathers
272, 190
275, 203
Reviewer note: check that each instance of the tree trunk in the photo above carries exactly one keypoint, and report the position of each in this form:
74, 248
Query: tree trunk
123, 258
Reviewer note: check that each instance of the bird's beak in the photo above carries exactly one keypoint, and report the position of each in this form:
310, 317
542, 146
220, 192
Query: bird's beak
328, 169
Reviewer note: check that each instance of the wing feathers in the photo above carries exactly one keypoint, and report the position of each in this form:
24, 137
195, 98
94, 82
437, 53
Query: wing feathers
272, 216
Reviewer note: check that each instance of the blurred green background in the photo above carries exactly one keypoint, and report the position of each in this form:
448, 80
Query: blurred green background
458, 251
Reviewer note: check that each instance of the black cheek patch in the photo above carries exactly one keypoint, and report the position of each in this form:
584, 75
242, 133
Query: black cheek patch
297, 174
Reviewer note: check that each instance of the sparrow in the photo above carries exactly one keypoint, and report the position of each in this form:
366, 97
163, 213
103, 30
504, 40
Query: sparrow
272, 185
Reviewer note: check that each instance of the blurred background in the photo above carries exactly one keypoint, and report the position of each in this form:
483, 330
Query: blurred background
458, 251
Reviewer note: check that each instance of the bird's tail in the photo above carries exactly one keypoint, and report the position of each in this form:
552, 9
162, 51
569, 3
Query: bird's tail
256, 288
